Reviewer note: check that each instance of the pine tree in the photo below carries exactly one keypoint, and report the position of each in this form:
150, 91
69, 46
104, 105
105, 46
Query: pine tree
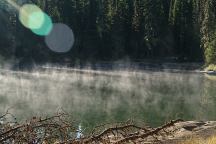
208, 29
186, 29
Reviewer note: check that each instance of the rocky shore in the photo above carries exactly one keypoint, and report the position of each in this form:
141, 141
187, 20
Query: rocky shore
191, 129
175, 134
58, 129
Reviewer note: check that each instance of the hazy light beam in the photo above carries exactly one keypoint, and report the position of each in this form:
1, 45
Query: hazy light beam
14, 4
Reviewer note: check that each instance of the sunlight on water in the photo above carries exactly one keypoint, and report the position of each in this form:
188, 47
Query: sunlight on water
96, 97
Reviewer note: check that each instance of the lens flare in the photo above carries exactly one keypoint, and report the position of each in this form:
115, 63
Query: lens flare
60, 39
46, 27
31, 16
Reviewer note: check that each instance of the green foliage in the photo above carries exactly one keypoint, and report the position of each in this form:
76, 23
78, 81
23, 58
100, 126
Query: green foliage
210, 53
184, 22
208, 30
211, 67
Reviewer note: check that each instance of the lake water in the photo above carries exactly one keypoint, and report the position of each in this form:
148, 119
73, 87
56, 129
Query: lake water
98, 97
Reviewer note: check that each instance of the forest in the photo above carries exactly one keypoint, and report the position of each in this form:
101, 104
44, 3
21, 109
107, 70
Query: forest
107, 71
111, 30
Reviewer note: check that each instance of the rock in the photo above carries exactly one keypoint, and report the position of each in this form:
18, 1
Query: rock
171, 134
188, 129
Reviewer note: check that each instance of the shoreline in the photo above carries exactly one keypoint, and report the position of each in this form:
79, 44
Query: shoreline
59, 129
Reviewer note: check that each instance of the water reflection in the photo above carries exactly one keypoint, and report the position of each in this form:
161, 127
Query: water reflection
153, 97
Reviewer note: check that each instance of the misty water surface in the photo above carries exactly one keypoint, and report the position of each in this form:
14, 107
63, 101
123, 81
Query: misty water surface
153, 97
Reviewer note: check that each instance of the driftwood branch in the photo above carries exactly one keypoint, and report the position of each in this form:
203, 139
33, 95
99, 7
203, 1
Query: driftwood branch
58, 129
150, 133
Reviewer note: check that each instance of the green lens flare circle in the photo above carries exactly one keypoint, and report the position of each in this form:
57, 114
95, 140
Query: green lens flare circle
45, 28
31, 16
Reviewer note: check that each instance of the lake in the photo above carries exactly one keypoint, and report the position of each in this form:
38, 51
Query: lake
95, 97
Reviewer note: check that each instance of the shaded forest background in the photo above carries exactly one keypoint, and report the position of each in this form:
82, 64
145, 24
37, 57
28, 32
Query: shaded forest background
110, 30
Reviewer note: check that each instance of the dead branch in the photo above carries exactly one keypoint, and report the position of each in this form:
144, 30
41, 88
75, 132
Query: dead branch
151, 133
58, 129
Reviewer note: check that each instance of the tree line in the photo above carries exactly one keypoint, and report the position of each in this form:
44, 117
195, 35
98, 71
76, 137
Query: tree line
109, 30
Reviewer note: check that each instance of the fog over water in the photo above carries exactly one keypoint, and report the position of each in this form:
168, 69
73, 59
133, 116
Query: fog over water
94, 97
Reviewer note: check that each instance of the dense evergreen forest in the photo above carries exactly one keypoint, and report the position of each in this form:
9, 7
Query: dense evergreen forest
110, 30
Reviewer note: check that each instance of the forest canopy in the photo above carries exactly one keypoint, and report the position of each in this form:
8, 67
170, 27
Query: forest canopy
109, 30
